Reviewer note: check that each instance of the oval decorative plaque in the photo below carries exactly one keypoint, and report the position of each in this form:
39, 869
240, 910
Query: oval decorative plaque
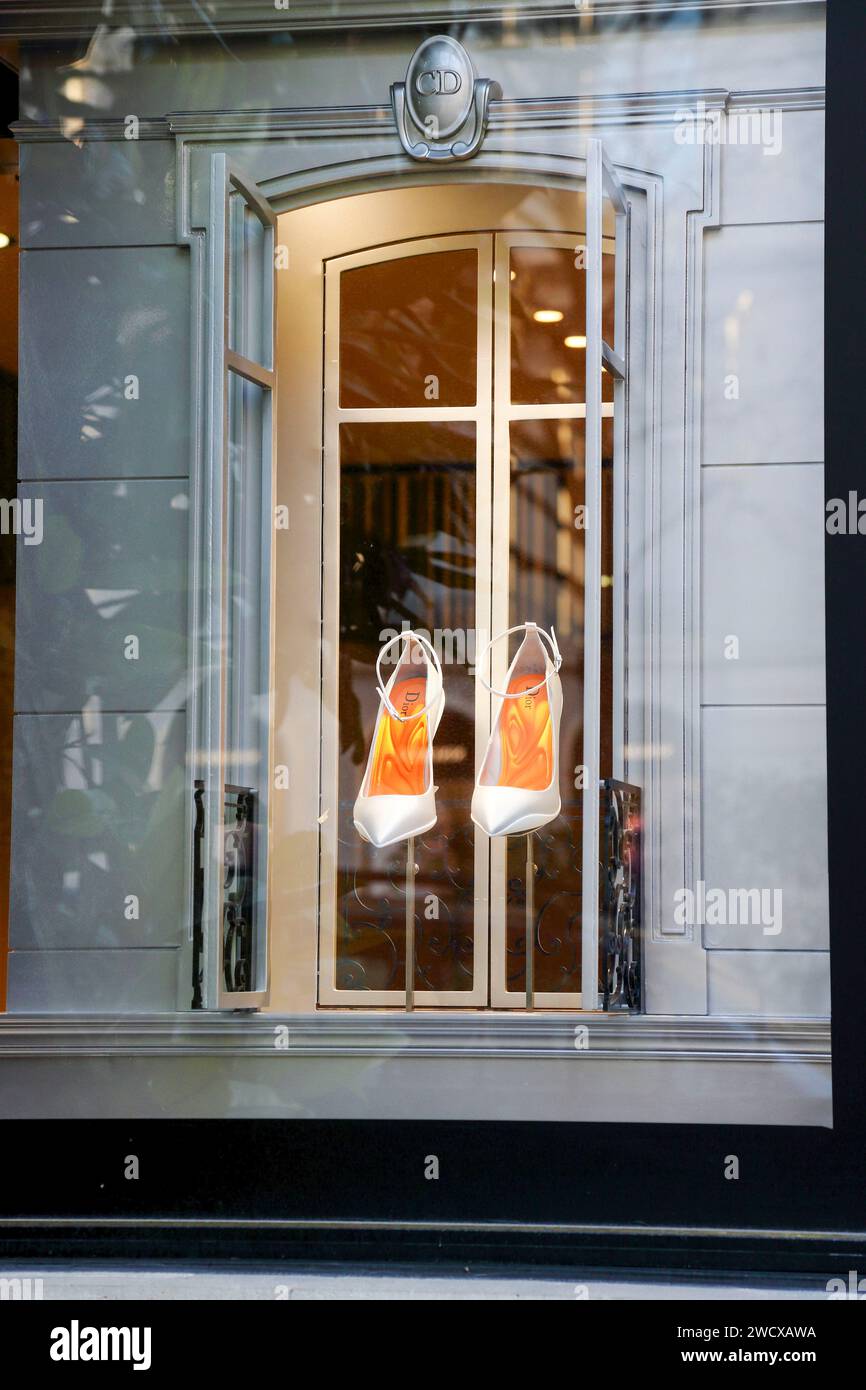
440, 87
441, 109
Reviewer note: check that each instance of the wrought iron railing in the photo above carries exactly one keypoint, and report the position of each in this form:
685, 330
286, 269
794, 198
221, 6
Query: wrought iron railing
238, 936
238, 907
620, 926
198, 899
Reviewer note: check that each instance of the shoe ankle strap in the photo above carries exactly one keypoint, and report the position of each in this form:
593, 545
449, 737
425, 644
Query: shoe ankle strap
548, 637
430, 652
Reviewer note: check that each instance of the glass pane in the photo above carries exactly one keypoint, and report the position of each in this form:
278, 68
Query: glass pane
247, 404
249, 263
408, 331
547, 586
407, 559
246, 695
548, 325
548, 322
608, 294
610, 220
607, 385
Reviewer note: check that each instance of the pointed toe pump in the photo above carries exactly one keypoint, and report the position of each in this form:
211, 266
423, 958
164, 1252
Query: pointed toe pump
397, 797
517, 788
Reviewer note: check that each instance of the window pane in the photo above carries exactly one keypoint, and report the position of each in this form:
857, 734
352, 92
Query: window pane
246, 694
547, 587
608, 294
247, 406
407, 559
607, 385
408, 331
249, 263
548, 326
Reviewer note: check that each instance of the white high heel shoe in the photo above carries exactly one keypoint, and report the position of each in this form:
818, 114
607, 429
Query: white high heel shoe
397, 797
517, 788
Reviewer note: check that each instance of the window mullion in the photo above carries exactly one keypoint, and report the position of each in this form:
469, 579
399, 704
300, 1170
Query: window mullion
620, 474
592, 580
499, 590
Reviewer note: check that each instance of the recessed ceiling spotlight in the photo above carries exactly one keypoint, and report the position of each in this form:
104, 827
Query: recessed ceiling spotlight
548, 316
5, 240
575, 340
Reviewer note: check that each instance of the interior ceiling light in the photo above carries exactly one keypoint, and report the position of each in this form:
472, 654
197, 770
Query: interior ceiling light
5, 240
548, 316
575, 340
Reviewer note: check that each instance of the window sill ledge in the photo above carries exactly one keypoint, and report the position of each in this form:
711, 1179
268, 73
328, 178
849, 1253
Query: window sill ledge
586, 1038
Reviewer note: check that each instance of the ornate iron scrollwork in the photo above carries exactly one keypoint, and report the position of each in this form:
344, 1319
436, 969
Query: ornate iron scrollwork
620, 935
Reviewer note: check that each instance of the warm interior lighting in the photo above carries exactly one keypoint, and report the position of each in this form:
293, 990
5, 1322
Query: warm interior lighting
5, 240
575, 340
548, 316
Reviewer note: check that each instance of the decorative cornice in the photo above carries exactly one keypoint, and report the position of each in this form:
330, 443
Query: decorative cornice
611, 1037
307, 121
80, 132
779, 99
75, 19
571, 112
316, 122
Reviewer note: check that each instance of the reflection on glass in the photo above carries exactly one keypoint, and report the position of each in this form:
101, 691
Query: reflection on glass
246, 704
547, 575
408, 332
548, 308
548, 323
407, 559
608, 295
247, 408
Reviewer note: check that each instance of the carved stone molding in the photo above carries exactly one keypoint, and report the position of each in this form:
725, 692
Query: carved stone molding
607, 109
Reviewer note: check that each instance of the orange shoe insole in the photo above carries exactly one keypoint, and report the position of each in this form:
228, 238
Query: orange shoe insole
526, 736
400, 758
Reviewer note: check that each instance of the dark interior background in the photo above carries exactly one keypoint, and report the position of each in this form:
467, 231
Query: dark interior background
8, 469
